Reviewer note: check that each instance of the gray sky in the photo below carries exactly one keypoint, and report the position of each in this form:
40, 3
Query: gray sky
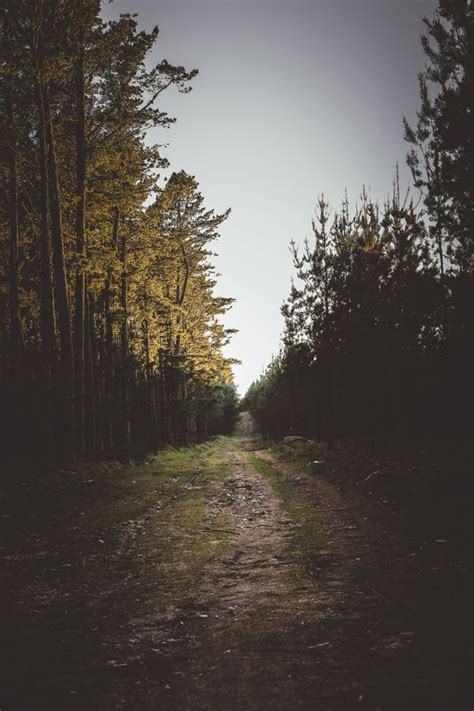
293, 98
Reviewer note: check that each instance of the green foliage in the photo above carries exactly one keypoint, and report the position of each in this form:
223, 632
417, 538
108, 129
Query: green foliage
277, 400
441, 157
299, 451
378, 331
130, 254
368, 347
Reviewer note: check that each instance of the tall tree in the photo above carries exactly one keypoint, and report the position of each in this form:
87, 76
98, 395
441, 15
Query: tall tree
110, 302
442, 157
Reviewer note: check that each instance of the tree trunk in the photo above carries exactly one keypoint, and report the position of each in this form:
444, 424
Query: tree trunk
124, 341
109, 361
79, 300
14, 302
163, 399
97, 381
90, 381
66, 379
47, 310
150, 398
330, 401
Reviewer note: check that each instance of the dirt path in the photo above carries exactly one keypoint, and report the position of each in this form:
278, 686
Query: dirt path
278, 592
241, 650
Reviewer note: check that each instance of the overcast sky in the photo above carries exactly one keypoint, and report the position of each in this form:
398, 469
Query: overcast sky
293, 98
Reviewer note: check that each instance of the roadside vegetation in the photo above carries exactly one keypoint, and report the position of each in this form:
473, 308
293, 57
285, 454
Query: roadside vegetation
147, 524
110, 330
299, 451
378, 338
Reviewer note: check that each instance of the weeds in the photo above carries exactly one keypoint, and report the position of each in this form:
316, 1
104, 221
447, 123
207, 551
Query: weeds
299, 452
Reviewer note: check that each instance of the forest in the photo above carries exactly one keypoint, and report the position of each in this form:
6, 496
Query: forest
378, 340
165, 542
110, 331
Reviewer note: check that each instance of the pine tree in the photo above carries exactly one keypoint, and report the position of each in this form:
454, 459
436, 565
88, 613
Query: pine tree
107, 310
442, 157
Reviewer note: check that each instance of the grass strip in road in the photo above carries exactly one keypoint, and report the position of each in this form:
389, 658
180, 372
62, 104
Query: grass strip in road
305, 535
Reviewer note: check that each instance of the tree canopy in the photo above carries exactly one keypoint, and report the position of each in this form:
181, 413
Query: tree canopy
378, 325
110, 329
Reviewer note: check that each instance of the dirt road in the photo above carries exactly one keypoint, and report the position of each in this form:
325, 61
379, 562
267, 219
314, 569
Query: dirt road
241, 584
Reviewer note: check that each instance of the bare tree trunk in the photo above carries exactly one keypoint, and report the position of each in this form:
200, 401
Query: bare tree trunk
79, 300
97, 381
124, 341
109, 360
90, 381
163, 399
108, 367
439, 219
150, 393
66, 380
330, 398
14, 302
47, 310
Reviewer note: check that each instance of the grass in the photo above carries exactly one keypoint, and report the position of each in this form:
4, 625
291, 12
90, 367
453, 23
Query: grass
103, 510
305, 534
252, 444
299, 452
193, 478
164, 479
239, 428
